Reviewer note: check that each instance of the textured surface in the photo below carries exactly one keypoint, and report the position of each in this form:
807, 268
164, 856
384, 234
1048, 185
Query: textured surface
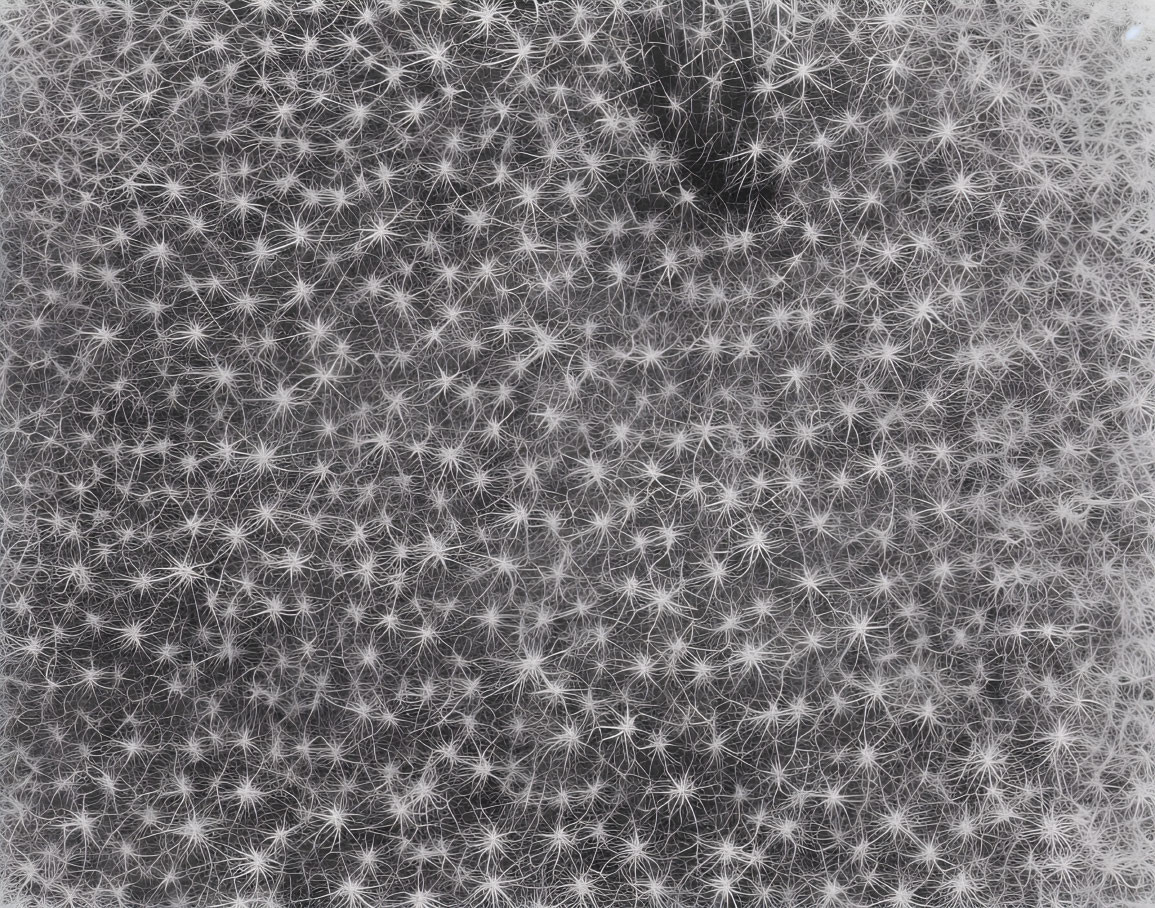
508, 454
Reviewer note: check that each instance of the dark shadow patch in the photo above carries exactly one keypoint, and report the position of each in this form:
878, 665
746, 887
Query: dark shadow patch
705, 117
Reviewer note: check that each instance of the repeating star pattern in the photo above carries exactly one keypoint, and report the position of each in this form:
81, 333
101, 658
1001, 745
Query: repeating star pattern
564, 454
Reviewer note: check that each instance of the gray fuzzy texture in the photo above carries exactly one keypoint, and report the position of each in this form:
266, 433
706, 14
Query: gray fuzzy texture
558, 454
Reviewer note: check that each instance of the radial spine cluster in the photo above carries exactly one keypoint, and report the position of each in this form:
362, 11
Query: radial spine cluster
558, 454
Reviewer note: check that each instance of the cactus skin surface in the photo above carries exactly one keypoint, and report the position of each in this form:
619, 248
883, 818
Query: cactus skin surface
506, 454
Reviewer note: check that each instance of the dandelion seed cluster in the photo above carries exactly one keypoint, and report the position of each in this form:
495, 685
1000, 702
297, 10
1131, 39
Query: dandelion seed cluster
545, 455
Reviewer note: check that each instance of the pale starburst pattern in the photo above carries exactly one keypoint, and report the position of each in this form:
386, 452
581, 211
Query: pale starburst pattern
500, 454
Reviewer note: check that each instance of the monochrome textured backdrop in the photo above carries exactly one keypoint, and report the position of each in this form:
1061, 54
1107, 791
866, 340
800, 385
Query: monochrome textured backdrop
570, 453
